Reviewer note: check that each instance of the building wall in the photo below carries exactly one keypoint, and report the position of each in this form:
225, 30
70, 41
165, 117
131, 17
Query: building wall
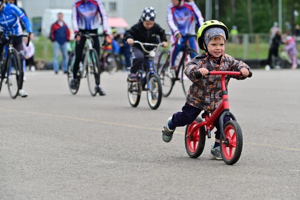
130, 10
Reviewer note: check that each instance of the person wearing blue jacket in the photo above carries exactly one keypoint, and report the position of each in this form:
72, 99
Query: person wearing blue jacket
10, 17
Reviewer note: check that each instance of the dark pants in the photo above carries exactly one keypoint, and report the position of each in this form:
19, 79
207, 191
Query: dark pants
138, 59
18, 45
30, 61
79, 49
272, 52
188, 115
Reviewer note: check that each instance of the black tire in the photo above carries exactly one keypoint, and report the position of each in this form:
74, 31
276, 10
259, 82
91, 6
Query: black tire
185, 81
134, 90
163, 66
93, 72
195, 152
154, 94
227, 143
2, 71
14, 74
111, 63
71, 62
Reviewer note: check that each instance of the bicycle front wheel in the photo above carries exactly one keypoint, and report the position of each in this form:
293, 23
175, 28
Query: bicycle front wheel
71, 62
14, 74
93, 71
163, 66
154, 92
185, 81
232, 143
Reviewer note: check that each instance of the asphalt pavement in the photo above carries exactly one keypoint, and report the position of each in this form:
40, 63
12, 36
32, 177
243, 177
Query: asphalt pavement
54, 145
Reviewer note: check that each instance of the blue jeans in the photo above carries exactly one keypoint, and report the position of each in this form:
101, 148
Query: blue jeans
63, 48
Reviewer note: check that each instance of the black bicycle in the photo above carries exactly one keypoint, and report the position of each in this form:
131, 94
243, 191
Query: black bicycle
167, 76
89, 67
11, 69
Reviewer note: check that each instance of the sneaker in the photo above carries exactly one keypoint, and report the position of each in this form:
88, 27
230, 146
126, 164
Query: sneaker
215, 153
32, 68
172, 72
267, 68
167, 133
22, 93
277, 67
73, 84
56, 72
100, 91
132, 77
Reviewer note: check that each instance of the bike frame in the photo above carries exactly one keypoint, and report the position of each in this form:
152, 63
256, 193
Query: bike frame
152, 54
184, 56
223, 108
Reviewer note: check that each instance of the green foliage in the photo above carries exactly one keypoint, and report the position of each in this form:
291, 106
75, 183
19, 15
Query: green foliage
264, 13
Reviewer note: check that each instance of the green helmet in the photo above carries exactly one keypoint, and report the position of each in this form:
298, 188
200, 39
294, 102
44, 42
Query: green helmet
206, 25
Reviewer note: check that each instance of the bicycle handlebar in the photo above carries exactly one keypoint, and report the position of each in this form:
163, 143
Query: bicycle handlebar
11, 36
224, 73
147, 44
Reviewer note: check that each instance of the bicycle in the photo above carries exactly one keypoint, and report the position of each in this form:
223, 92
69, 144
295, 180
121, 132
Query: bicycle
151, 79
11, 70
231, 137
89, 68
168, 78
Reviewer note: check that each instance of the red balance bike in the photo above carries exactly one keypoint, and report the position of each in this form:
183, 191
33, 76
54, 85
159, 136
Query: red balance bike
231, 137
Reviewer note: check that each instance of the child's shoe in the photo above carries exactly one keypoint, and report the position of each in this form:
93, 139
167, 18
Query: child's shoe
167, 133
215, 153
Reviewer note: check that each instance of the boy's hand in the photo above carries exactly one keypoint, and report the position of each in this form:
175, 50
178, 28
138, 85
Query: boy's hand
203, 71
130, 41
164, 44
245, 72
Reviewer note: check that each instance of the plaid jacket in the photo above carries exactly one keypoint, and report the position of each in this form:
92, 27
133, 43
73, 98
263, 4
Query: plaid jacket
204, 92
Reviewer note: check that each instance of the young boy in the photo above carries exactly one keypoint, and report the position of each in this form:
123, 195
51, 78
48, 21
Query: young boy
204, 93
144, 31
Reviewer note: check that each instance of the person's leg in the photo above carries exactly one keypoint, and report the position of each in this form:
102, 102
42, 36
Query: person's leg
137, 61
215, 149
64, 52
55, 57
175, 49
294, 59
193, 45
187, 116
78, 56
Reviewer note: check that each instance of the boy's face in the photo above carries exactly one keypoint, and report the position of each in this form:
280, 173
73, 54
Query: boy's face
148, 24
216, 46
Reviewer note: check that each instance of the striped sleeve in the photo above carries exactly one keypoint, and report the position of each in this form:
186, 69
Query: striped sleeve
170, 20
74, 18
103, 15
197, 13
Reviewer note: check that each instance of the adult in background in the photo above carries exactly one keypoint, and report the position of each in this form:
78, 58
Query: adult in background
60, 35
273, 50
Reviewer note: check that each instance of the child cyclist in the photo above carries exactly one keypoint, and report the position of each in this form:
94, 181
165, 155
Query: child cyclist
204, 93
145, 31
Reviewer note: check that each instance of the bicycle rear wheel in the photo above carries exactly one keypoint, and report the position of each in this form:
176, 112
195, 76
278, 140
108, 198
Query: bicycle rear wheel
71, 62
232, 144
185, 81
93, 71
194, 142
134, 90
154, 93
111, 63
14, 74
163, 66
